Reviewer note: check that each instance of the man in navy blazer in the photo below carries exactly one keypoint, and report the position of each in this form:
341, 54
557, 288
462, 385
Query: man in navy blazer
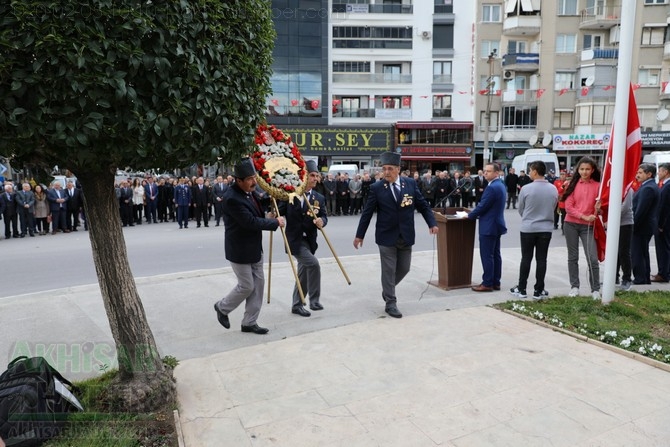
491, 214
645, 222
662, 237
302, 225
244, 220
394, 199
57, 207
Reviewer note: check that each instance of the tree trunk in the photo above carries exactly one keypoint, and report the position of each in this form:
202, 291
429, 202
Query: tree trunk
140, 365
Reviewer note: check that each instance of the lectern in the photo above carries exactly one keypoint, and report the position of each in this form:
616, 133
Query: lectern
455, 246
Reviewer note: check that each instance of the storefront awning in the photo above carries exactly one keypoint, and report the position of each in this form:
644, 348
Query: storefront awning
433, 125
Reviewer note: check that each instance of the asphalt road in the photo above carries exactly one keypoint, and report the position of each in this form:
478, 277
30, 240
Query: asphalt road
64, 260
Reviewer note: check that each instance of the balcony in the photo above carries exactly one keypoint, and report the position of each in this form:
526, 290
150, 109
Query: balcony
372, 78
519, 96
379, 114
600, 17
600, 53
521, 62
522, 25
349, 8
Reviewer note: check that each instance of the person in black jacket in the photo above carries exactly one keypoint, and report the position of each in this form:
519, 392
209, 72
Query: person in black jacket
244, 221
200, 200
512, 183
9, 214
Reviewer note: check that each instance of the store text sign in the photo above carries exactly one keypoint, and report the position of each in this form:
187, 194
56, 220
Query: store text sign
581, 142
352, 141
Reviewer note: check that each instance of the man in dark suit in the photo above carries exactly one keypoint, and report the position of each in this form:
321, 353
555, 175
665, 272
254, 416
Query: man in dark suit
9, 213
490, 212
480, 184
456, 189
74, 204
218, 191
512, 183
182, 200
151, 199
57, 207
126, 204
302, 224
662, 237
343, 194
394, 199
645, 222
25, 205
200, 199
244, 221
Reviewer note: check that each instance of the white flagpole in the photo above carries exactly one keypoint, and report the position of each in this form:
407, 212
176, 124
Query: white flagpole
619, 148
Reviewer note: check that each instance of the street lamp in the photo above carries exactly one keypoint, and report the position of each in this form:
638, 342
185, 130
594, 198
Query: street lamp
490, 83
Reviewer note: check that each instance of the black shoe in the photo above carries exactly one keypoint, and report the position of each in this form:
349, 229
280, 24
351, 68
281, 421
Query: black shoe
206, 226
316, 306
223, 318
393, 311
256, 329
299, 310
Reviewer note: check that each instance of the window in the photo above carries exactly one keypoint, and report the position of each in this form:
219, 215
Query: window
488, 46
595, 115
655, 2
443, 7
563, 119
442, 71
649, 76
520, 117
491, 13
391, 72
592, 41
516, 46
564, 80
566, 43
443, 36
495, 119
494, 85
652, 35
442, 106
351, 67
567, 7
351, 107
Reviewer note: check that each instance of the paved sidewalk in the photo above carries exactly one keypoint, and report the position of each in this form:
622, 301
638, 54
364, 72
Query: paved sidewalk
452, 372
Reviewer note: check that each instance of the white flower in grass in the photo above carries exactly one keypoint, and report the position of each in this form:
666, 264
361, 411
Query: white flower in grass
656, 348
625, 343
642, 350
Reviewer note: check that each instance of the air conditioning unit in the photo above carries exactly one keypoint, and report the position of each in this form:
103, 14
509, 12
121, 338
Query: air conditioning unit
508, 75
425, 35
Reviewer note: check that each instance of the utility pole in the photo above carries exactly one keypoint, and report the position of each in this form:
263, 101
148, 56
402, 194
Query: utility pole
488, 156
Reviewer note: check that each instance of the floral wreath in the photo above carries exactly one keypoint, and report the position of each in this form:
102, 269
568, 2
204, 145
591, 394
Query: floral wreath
280, 168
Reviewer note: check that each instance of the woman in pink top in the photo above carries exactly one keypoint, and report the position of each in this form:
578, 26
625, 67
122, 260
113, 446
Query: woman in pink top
580, 206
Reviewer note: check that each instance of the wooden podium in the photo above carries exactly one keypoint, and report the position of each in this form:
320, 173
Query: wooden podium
455, 246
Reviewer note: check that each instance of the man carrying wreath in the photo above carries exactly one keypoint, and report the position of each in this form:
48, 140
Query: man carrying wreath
394, 199
302, 223
244, 220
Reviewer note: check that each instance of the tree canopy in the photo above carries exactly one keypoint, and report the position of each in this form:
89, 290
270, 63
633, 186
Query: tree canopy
97, 84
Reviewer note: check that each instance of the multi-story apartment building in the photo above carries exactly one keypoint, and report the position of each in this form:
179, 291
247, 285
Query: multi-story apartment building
354, 78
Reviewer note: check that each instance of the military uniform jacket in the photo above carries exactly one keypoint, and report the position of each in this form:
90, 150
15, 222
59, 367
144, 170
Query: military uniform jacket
244, 221
300, 222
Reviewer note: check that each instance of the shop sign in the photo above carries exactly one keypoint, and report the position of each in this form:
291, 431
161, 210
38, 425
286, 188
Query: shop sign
436, 151
655, 139
581, 142
334, 141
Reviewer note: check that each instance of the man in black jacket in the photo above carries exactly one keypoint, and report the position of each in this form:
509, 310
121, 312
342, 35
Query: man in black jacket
511, 183
200, 200
244, 221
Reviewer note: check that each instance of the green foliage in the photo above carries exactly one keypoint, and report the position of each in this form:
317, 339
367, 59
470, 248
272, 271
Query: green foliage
96, 84
170, 361
633, 321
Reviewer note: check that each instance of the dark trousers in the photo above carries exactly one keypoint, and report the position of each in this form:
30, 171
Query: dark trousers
72, 218
343, 204
539, 243
218, 211
11, 224
152, 206
489, 252
511, 198
182, 215
662, 243
624, 258
58, 220
455, 200
126, 211
640, 258
27, 222
200, 212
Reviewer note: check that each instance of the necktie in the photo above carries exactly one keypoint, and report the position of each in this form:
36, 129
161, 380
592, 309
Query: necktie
396, 191
251, 197
660, 183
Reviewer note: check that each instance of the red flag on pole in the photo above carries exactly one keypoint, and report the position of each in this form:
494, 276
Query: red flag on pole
562, 91
632, 161
585, 91
539, 93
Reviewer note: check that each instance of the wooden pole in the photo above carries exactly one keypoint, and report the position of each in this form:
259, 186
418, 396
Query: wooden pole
290, 256
270, 267
325, 236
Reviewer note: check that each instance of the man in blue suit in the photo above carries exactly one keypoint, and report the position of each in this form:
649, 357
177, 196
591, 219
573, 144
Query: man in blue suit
491, 214
245, 222
645, 222
662, 237
302, 225
394, 199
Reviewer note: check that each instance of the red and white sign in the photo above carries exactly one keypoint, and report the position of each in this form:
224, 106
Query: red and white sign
581, 142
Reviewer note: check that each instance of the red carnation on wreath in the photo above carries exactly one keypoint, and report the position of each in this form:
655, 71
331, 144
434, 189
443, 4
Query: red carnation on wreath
280, 168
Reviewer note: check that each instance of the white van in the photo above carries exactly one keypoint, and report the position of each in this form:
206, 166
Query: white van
352, 170
521, 162
656, 158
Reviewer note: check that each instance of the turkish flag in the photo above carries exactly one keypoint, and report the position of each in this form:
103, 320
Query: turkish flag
562, 91
294, 102
540, 92
608, 87
406, 101
519, 91
315, 104
632, 161
483, 91
636, 86
275, 102
585, 91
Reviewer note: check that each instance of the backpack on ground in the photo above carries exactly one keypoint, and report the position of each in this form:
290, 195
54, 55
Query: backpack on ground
35, 400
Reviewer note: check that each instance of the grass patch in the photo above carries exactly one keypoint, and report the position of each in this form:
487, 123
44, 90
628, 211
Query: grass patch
98, 427
637, 322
